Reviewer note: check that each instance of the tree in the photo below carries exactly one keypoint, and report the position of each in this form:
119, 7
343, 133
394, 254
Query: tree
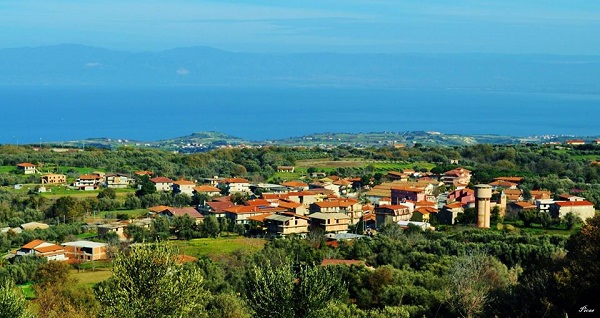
132, 202
12, 304
183, 227
145, 186
210, 227
528, 216
181, 200
279, 291
571, 220
66, 208
161, 227
149, 282
108, 193
472, 280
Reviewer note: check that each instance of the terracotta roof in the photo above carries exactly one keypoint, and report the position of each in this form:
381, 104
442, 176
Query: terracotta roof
161, 180
453, 205
260, 217
33, 244
289, 204
219, 207
574, 203
396, 173
158, 208
258, 202
342, 182
144, 173
503, 183
510, 179
294, 184
25, 164
89, 177
525, 205
184, 182
185, 211
49, 248
241, 209
369, 217
407, 189
206, 188
426, 210
348, 262
425, 204
236, 180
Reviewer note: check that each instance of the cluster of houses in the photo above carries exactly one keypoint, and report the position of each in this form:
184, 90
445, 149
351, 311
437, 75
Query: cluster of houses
76, 251
331, 203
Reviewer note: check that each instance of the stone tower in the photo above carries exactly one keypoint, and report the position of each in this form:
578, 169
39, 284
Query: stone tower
483, 194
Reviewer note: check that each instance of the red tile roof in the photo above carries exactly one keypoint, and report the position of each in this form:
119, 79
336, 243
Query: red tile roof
219, 207
185, 211
408, 189
294, 184
510, 179
574, 203
184, 182
161, 180
33, 244
236, 180
158, 208
260, 218
25, 164
453, 205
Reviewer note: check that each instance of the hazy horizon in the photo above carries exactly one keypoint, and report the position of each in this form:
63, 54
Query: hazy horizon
358, 26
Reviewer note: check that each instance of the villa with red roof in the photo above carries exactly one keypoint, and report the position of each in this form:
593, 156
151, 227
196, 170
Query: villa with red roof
190, 211
184, 186
583, 209
456, 177
27, 168
208, 190
392, 214
40, 248
162, 184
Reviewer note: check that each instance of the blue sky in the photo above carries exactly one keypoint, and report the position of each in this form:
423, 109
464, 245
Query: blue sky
427, 26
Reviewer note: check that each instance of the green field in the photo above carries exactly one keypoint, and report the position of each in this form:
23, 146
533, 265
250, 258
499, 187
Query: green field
218, 247
91, 277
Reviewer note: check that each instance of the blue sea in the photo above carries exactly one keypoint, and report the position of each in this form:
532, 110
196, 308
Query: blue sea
34, 114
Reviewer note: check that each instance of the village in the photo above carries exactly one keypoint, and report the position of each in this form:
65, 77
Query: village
340, 208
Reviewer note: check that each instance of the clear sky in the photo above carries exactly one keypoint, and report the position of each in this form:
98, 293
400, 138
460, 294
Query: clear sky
424, 26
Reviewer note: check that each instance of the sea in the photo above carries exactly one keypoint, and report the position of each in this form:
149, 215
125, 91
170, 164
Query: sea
52, 114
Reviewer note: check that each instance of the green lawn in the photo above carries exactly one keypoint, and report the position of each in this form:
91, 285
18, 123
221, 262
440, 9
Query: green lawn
215, 248
28, 291
91, 277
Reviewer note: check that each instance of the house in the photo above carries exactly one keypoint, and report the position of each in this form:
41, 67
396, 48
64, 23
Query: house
569, 197
53, 179
34, 226
503, 184
344, 185
184, 186
513, 194
117, 181
86, 250
456, 177
392, 214
395, 175
26, 168
286, 223
189, 211
40, 248
289, 169
540, 195
450, 212
575, 142
216, 208
88, 181
237, 185
583, 209
293, 207
240, 214
423, 214
305, 197
403, 194
208, 190
349, 206
329, 222
119, 227
162, 184
515, 208
465, 196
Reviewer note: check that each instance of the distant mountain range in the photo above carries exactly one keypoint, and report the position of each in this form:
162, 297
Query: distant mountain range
205, 141
71, 64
